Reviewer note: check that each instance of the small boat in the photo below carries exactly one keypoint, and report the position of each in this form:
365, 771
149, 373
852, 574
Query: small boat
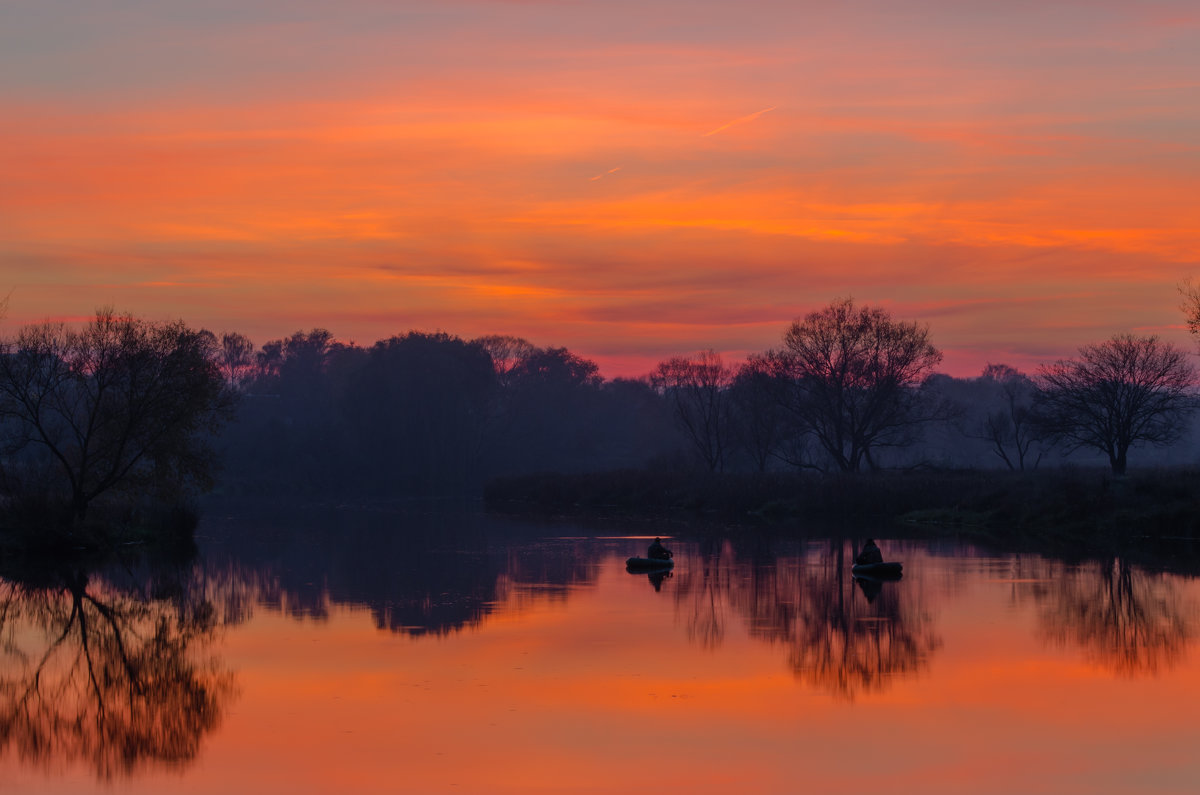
890, 569
648, 564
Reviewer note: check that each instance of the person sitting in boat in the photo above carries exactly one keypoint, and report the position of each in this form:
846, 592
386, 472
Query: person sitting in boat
657, 551
870, 554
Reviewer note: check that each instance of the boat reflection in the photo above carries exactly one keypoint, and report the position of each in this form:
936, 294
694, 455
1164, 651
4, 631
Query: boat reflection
871, 587
112, 667
438, 573
109, 667
656, 578
842, 638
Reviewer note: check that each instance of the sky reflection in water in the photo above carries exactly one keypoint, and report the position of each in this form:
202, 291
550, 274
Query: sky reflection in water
329, 653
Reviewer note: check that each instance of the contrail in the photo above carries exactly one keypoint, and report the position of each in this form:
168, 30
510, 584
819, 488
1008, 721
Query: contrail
605, 174
742, 120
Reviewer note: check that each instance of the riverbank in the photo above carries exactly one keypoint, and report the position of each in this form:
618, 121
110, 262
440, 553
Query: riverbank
1066, 505
39, 527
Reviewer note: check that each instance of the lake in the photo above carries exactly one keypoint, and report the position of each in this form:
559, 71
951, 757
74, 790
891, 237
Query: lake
380, 650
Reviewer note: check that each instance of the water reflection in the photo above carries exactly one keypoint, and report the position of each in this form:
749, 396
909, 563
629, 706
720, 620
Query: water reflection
113, 668
419, 573
702, 594
841, 638
437, 573
1130, 621
657, 578
871, 587
545, 569
108, 667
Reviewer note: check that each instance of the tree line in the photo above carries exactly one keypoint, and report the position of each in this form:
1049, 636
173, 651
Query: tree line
851, 386
128, 411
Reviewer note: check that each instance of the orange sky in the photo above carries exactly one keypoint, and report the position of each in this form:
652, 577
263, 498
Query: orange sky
630, 180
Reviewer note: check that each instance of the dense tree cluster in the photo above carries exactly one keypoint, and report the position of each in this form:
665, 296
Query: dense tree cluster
431, 414
124, 407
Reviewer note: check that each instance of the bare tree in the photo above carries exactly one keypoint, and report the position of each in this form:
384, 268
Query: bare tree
121, 403
1012, 430
1125, 390
856, 376
1190, 305
697, 388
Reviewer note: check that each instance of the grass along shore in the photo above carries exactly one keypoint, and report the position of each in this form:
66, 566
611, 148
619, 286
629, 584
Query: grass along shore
1066, 504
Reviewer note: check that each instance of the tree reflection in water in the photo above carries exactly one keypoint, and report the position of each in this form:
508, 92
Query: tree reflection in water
841, 638
1128, 620
420, 573
107, 669
700, 594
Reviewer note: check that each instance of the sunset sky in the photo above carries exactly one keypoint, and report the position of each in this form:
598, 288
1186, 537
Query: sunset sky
631, 180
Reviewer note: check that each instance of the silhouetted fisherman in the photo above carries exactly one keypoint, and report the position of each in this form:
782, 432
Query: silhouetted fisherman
657, 551
870, 554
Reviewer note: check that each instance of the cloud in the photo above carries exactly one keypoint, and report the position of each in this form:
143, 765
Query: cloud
741, 120
387, 169
604, 174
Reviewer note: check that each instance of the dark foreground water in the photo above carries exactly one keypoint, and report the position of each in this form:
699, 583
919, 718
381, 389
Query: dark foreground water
360, 650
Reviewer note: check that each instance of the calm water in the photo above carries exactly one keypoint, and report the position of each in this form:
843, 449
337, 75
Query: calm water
354, 650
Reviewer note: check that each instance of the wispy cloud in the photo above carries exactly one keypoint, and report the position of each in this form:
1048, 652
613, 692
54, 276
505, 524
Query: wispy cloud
742, 120
605, 174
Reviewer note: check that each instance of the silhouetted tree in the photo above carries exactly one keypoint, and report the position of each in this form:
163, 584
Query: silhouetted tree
697, 388
269, 358
761, 426
289, 429
1190, 305
1125, 390
549, 418
121, 404
236, 357
632, 424
507, 354
1012, 430
855, 378
304, 355
418, 407
556, 368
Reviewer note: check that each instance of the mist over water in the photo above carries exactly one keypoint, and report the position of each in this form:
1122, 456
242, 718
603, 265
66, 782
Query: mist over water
380, 648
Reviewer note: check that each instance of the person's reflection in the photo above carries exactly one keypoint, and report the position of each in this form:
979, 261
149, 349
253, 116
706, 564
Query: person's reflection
870, 587
104, 675
656, 579
1128, 620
